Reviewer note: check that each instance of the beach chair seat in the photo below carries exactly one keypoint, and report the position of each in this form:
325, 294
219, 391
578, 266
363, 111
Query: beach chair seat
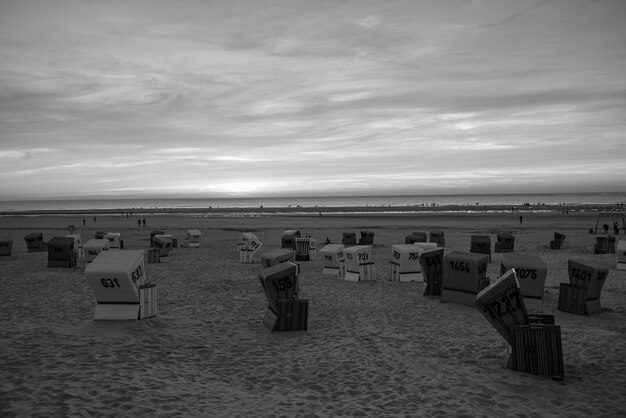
114, 240
348, 239
534, 340
35, 242
61, 252
248, 248
620, 251
285, 311
118, 281
431, 262
6, 245
481, 244
276, 256
464, 276
359, 265
333, 258
582, 294
531, 272
505, 242
437, 237
306, 249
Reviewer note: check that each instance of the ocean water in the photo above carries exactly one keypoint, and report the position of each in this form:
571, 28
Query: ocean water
569, 199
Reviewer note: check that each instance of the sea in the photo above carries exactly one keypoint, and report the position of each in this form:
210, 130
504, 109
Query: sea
173, 204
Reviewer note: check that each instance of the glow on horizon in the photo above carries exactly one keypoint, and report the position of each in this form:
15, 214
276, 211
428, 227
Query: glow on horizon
282, 97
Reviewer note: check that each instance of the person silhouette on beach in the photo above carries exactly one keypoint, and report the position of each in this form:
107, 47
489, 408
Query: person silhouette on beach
520, 219
144, 222
139, 223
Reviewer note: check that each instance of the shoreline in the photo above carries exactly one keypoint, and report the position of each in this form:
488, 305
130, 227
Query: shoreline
325, 210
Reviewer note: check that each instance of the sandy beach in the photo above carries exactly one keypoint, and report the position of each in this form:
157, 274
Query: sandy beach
376, 348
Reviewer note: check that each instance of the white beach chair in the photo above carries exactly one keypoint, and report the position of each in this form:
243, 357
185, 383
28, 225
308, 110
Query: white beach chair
118, 281
359, 264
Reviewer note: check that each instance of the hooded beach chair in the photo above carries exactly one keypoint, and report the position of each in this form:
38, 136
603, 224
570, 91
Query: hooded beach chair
359, 264
61, 252
431, 262
6, 246
285, 311
557, 242
481, 244
464, 276
531, 272
94, 247
505, 242
248, 248
582, 294
118, 280
35, 242
333, 257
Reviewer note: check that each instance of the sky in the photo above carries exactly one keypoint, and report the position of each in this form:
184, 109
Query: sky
206, 98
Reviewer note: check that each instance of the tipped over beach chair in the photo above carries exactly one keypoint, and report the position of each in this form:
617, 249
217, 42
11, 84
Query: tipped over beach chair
35, 242
118, 281
431, 262
582, 294
333, 258
557, 242
249, 247
285, 311
464, 276
531, 272
534, 340
481, 244
61, 252
359, 266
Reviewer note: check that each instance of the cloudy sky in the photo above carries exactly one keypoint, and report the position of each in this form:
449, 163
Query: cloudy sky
263, 98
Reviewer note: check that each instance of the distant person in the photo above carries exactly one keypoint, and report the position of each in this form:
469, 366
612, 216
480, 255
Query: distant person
94, 218
139, 223
520, 219
83, 221
144, 222
606, 229
615, 228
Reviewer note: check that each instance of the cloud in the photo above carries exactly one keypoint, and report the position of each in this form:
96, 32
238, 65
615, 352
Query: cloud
346, 96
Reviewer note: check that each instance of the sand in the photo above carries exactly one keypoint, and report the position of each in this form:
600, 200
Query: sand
375, 348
